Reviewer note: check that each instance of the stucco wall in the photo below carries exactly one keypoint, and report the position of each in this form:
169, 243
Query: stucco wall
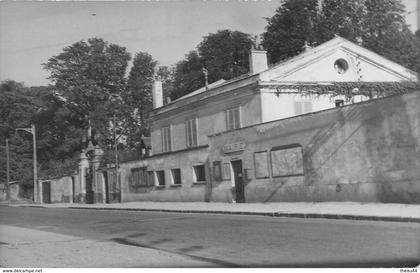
187, 191
211, 117
61, 190
14, 189
282, 106
363, 152
322, 68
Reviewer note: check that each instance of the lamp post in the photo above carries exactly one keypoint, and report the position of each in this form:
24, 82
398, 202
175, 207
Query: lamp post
7, 169
33, 132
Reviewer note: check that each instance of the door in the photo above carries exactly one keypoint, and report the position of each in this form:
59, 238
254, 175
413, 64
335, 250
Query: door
239, 181
46, 192
105, 175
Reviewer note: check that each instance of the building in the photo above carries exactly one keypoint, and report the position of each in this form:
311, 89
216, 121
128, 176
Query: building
288, 132
185, 131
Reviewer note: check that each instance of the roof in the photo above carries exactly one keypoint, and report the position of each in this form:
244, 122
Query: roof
285, 67
275, 71
202, 89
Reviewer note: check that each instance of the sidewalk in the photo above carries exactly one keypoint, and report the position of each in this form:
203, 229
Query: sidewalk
329, 210
23, 247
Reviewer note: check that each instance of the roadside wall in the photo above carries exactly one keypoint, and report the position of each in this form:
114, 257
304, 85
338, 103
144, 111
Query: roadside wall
14, 189
188, 190
61, 190
367, 152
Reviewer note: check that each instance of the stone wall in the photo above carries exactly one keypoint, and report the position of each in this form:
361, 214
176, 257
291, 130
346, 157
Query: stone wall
61, 190
367, 152
14, 189
188, 191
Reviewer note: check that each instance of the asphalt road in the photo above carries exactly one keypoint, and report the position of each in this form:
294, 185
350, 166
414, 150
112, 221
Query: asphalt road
236, 240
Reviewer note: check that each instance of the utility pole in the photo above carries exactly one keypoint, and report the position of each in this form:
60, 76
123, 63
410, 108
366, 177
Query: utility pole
7, 170
114, 119
32, 130
7, 186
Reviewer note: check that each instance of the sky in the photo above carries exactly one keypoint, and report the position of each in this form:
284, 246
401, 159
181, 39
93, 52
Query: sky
32, 32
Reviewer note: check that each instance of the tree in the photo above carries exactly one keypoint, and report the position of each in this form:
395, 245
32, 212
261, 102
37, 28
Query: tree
225, 55
377, 25
188, 75
17, 109
139, 95
294, 22
89, 77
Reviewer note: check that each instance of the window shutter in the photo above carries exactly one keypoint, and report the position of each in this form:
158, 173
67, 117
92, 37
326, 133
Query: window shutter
298, 108
307, 107
236, 118
194, 132
187, 133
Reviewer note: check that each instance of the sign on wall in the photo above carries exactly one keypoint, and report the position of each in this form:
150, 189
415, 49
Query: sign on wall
261, 164
233, 147
287, 161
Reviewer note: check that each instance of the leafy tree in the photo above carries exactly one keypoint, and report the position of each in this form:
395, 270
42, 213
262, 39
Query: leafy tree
89, 77
224, 54
294, 22
139, 95
378, 25
188, 75
17, 109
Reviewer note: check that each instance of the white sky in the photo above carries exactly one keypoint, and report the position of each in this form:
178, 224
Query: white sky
32, 32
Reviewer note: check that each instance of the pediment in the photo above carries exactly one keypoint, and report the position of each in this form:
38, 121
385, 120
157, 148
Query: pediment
338, 60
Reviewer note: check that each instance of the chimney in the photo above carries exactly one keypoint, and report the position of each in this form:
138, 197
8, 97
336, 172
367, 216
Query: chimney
157, 94
257, 61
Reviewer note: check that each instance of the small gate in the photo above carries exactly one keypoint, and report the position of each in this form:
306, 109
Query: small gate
46, 192
113, 189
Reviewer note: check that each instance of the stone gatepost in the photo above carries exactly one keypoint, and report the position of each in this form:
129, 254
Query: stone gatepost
97, 184
83, 168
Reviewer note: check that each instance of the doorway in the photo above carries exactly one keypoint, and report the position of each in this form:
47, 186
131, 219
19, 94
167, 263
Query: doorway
105, 175
46, 192
239, 181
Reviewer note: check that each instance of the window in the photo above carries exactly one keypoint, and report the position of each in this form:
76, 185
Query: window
160, 177
261, 164
191, 132
339, 103
287, 160
151, 178
199, 173
226, 171
341, 66
303, 107
166, 139
233, 118
176, 176
139, 177
217, 170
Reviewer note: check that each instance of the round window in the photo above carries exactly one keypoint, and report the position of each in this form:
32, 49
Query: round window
341, 66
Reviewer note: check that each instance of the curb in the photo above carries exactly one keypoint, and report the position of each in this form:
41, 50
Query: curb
271, 214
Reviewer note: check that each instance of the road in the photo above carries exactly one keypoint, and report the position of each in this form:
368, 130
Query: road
235, 240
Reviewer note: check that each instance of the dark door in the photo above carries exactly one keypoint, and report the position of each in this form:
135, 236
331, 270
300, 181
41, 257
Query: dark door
46, 192
105, 174
239, 181
89, 188
73, 190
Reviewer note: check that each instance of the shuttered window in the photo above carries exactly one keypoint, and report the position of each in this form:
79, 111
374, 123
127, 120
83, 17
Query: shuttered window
191, 132
302, 107
139, 178
166, 139
233, 118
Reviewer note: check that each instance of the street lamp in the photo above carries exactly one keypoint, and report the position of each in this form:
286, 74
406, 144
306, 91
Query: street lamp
33, 132
7, 169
